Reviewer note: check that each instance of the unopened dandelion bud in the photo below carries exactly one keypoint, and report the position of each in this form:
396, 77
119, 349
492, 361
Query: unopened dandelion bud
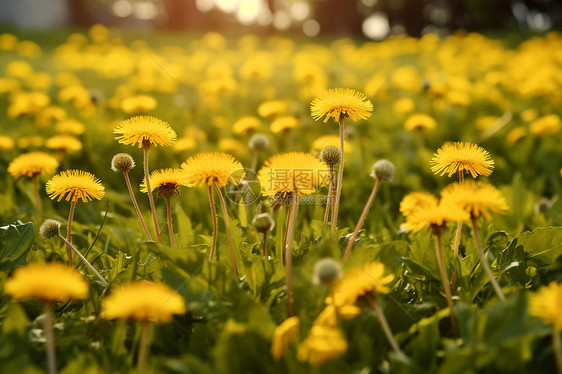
384, 170
326, 271
331, 155
263, 222
258, 142
49, 229
122, 162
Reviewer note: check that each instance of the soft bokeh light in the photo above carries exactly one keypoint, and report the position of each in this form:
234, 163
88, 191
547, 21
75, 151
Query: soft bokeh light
376, 26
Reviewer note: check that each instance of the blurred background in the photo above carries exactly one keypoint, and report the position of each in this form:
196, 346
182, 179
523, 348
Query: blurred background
373, 19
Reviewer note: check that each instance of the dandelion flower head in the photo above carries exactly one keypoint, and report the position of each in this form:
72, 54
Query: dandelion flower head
32, 163
462, 157
547, 303
420, 121
283, 124
73, 185
546, 125
144, 129
284, 336
361, 280
340, 103
477, 199
246, 124
331, 141
64, 143
143, 301
429, 213
47, 281
322, 344
166, 182
210, 167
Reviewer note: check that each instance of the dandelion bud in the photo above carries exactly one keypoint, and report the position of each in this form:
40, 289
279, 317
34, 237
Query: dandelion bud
122, 162
49, 228
263, 222
330, 155
326, 271
384, 170
259, 142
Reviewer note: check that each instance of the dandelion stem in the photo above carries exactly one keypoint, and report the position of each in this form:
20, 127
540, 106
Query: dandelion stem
38, 203
459, 224
290, 230
340, 179
215, 223
384, 323
170, 226
73, 248
144, 347
329, 202
362, 219
254, 164
557, 346
146, 149
137, 209
50, 340
445, 280
483, 261
227, 226
265, 249
69, 230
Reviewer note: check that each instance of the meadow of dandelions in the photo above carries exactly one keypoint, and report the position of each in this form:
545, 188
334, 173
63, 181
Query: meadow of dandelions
335, 206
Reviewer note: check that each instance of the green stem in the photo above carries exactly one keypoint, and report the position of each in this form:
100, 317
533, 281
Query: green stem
362, 219
340, 179
557, 347
69, 230
329, 203
146, 149
170, 226
483, 261
384, 324
265, 249
144, 347
137, 209
50, 340
215, 223
291, 218
445, 280
227, 226
90, 266
38, 203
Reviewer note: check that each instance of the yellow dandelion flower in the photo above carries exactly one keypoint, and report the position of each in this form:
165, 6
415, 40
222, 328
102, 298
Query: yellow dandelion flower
138, 104
166, 182
434, 215
77, 95
546, 125
8, 42
331, 141
462, 157
31, 141
185, 143
273, 108
336, 307
292, 173
417, 200
64, 143
70, 126
73, 185
547, 303
339, 103
515, 135
6, 143
141, 129
49, 282
477, 199
213, 167
486, 122
33, 163
529, 115
18, 69
284, 336
143, 301
420, 121
49, 114
9, 85
282, 124
246, 124
361, 280
322, 344
233, 146
403, 105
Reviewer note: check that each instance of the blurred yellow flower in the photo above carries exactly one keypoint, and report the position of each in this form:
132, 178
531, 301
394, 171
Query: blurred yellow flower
64, 143
273, 108
546, 303
546, 125
420, 121
138, 104
70, 126
484, 123
432, 214
48, 282
33, 163
22, 103
27, 48
46, 116
322, 344
185, 143
284, 336
292, 173
6, 143
331, 141
8, 42
340, 103
361, 280
457, 157
18, 69
283, 124
166, 182
516, 134
417, 200
9, 85
143, 301
32, 141
404, 105
144, 129
246, 124
74, 185
477, 199
213, 167
77, 95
